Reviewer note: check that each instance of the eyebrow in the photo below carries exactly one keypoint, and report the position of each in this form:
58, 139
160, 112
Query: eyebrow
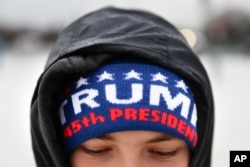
106, 137
160, 138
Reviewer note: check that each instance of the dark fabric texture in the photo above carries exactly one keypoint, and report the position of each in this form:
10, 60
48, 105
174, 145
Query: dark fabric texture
102, 36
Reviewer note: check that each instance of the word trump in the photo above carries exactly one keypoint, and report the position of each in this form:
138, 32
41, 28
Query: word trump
156, 95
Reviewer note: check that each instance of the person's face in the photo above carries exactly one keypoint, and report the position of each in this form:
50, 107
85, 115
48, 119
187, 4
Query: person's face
132, 149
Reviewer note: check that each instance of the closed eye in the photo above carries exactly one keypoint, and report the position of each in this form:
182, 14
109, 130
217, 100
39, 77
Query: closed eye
95, 152
163, 154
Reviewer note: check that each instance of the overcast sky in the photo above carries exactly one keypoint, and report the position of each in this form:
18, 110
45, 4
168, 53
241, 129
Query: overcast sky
59, 13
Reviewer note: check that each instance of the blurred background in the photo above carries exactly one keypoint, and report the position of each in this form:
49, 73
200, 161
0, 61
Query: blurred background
218, 30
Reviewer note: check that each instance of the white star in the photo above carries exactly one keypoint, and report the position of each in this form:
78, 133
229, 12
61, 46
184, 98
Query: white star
105, 76
133, 74
82, 81
159, 77
181, 84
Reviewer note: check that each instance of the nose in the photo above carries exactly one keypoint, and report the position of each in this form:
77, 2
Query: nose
133, 160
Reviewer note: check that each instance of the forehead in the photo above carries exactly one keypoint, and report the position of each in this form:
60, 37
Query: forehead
142, 136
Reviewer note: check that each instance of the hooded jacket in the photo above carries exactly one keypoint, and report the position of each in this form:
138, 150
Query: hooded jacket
103, 35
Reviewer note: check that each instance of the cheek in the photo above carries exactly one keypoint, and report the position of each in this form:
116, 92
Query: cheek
78, 159
182, 159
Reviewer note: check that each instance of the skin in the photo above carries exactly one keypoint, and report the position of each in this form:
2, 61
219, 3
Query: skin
132, 149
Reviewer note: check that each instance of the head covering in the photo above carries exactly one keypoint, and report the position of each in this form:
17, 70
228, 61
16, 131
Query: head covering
127, 95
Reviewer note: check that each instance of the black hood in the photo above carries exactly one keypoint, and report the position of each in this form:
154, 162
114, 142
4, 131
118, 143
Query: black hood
102, 36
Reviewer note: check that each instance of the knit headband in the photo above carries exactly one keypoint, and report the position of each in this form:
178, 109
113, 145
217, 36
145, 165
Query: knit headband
128, 95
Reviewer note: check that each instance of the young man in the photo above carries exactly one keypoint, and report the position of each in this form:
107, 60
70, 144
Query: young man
122, 88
